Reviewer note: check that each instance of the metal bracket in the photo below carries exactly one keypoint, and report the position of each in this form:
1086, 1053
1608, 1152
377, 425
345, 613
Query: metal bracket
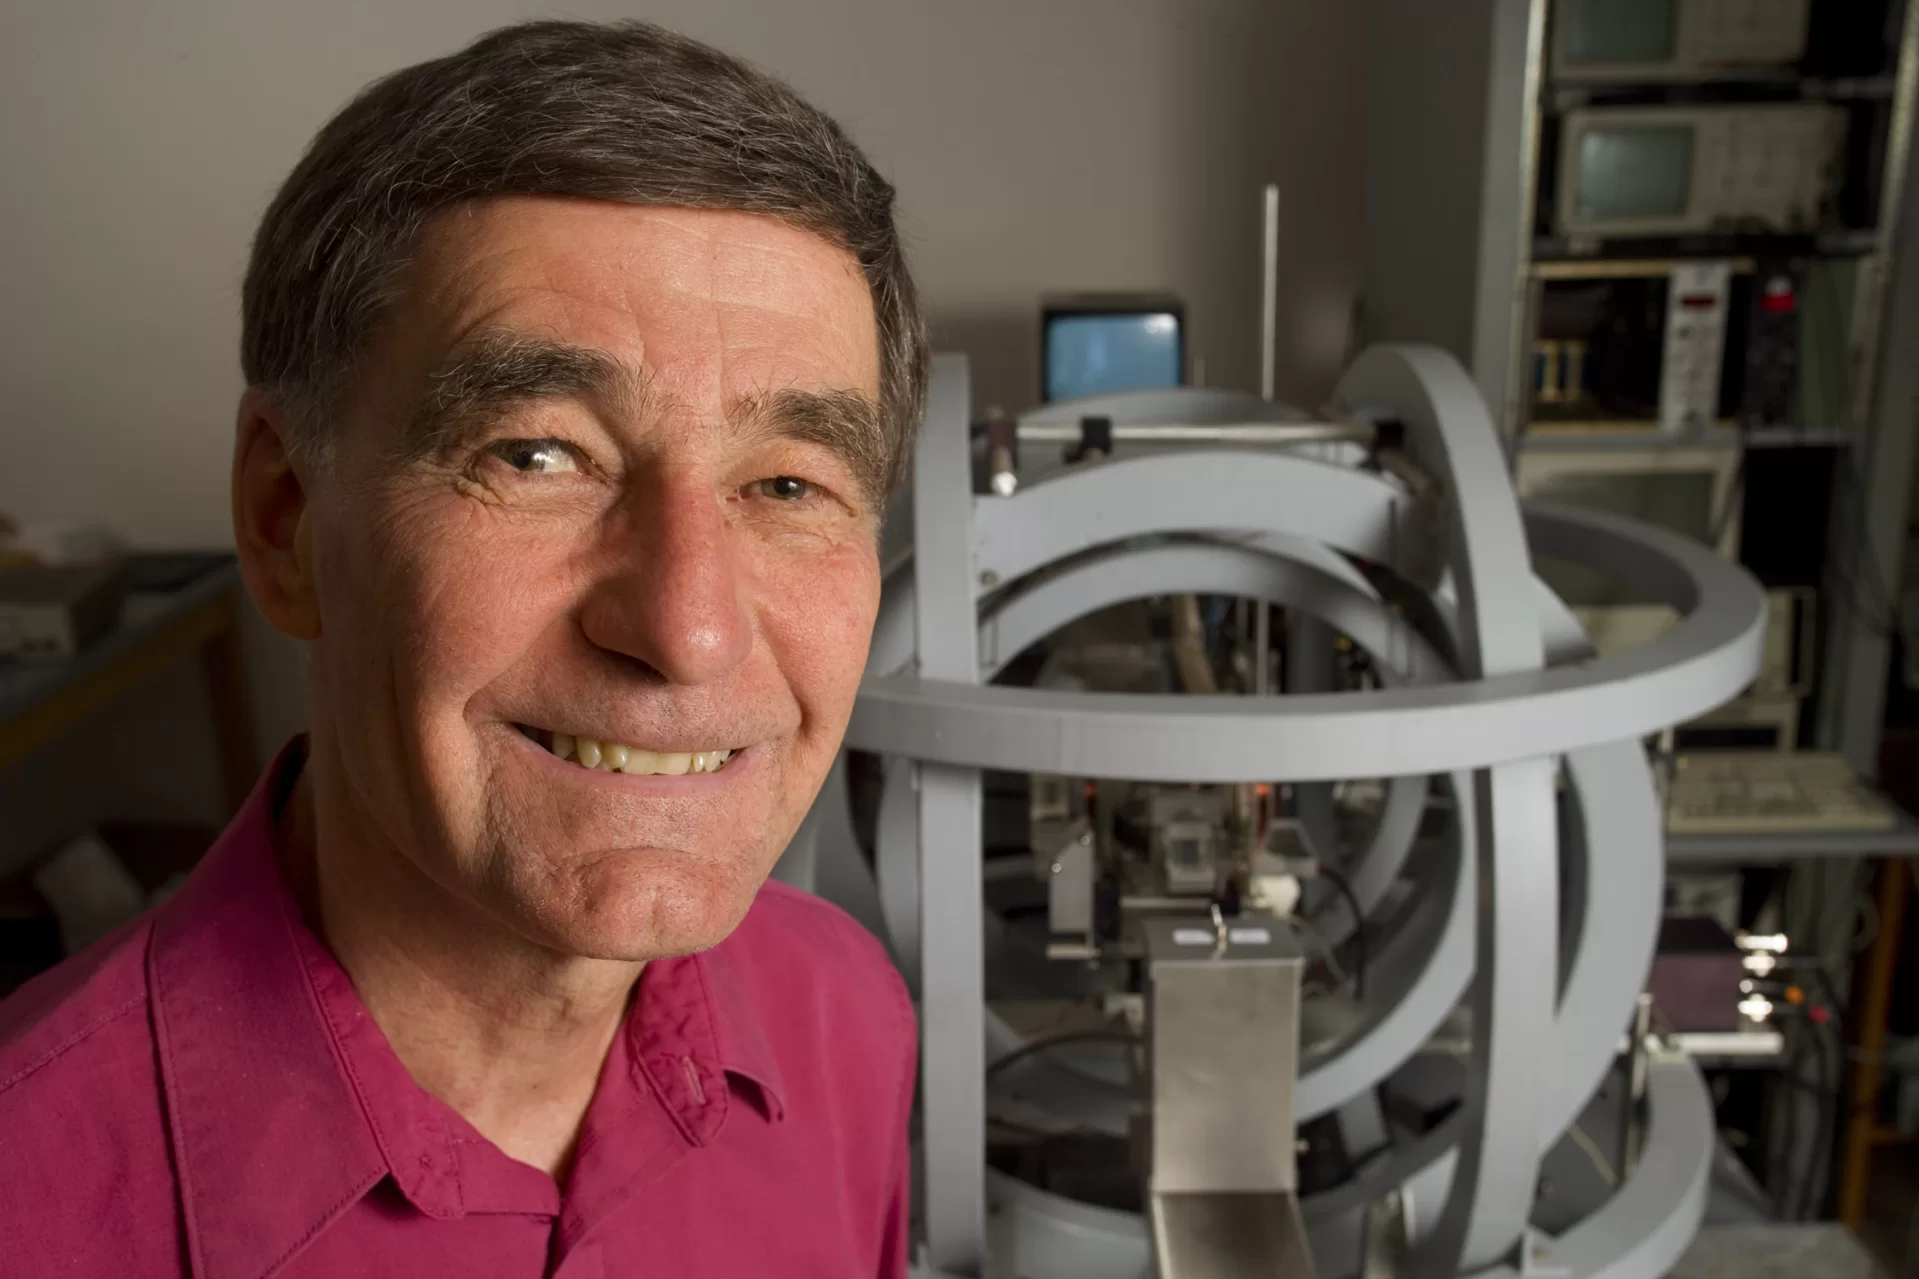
1535, 1259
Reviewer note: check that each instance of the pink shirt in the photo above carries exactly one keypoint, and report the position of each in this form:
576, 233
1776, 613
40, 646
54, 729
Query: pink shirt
204, 1094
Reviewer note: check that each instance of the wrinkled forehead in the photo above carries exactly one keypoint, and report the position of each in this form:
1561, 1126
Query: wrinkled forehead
709, 305
651, 318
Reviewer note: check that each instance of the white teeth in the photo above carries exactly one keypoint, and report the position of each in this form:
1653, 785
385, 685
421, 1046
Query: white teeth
613, 757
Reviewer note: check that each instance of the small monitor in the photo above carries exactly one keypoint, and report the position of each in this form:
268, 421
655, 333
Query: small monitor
1099, 344
1631, 172
1692, 169
1602, 34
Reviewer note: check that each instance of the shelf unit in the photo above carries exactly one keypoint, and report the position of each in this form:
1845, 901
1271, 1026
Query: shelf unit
1462, 101
1455, 256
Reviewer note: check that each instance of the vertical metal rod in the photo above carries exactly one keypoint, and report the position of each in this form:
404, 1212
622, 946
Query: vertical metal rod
1636, 1065
1269, 293
1262, 647
952, 975
1506, 296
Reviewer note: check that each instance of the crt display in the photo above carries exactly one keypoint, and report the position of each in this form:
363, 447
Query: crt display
1095, 354
1602, 33
1677, 501
1643, 172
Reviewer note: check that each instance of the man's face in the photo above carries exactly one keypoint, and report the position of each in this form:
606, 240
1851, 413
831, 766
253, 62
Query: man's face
606, 473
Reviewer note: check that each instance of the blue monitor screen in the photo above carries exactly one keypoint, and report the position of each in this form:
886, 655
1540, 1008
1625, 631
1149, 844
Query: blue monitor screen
1095, 354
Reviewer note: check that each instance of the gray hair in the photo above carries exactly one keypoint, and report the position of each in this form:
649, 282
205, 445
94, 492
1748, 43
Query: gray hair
626, 112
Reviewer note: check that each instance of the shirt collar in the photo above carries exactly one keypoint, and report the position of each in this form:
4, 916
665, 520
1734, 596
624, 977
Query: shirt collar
255, 1094
282, 1095
740, 1041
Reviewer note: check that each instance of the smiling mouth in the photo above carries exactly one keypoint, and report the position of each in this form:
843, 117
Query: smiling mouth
615, 757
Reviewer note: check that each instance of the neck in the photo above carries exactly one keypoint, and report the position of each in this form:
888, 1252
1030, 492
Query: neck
509, 1033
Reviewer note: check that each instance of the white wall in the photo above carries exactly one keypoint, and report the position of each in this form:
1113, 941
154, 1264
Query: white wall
1038, 145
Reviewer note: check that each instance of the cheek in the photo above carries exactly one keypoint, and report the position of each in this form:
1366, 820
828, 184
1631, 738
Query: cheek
437, 596
819, 620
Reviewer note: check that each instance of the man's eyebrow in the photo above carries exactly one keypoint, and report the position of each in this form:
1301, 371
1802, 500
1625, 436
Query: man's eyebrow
498, 368
495, 369
846, 422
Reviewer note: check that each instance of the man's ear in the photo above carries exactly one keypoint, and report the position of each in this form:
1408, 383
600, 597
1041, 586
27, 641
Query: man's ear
271, 521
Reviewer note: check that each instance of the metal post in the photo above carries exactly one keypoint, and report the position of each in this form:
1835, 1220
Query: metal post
1632, 1124
1250, 434
1508, 191
952, 977
1269, 294
1262, 647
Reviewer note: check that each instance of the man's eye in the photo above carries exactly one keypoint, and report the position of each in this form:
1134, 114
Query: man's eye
536, 457
784, 488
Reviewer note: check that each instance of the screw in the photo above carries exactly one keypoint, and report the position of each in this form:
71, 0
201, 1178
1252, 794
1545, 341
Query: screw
988, 577
1057, 868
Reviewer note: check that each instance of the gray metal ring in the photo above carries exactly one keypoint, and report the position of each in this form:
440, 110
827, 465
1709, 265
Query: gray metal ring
1704, 661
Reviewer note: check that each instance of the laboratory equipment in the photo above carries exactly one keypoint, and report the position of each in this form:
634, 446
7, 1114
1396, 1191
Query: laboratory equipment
1770, 792
1436, 693
1680, 345
1678, 170
1688, 489
1696, 975
1098, 343
1649, 40
1471, 90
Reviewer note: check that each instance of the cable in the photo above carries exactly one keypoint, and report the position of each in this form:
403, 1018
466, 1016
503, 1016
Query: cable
1046, 1043
1849, 549
1325, 951
1852, 541
1867, 933
1787, 1138
1875, 571
1339, 882
1599, 1161
1826, 1098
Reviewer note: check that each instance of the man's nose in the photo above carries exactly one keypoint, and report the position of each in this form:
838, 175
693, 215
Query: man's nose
673, 596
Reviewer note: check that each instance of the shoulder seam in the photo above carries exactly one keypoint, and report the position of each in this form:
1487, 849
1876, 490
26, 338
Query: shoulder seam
58, 1050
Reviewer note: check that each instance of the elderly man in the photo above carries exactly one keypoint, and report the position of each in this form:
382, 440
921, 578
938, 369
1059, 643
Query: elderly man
580, 364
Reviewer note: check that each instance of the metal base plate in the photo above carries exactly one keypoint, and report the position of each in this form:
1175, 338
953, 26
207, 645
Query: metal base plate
1230, 1236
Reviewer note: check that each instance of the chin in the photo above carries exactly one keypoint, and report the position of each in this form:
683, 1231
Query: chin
656, 913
